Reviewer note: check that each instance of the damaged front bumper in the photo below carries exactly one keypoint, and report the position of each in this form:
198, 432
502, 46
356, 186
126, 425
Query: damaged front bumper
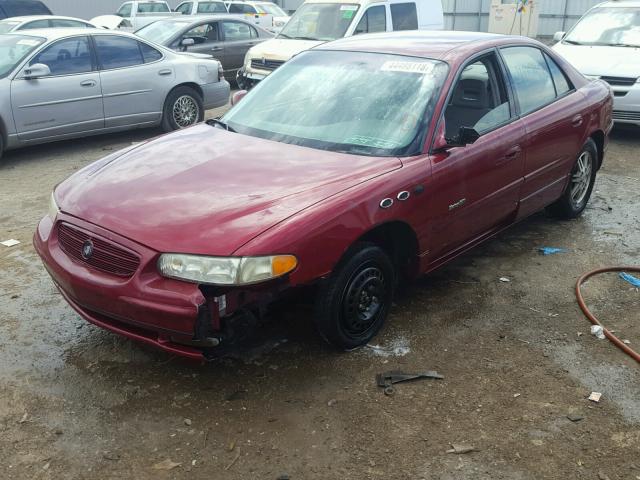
179, 317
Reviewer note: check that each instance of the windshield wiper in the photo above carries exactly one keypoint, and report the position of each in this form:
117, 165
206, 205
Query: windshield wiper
220, 123
621, 45
306, 38
283, 35
572, 42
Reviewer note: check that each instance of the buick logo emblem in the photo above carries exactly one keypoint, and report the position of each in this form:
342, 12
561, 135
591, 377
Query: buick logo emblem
87, 249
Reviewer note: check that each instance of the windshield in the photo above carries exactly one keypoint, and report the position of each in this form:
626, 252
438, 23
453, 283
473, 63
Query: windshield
161, 31
211, 7
270, 8
14, 49
6, 27
352, 102
320, 21
153, 7
608, 26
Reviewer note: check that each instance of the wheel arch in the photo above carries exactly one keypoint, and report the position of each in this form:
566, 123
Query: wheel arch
192, 85
599, 138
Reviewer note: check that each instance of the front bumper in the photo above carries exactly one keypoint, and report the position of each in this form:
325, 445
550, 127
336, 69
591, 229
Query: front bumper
626, 104
247, 80
216, 94
178, 317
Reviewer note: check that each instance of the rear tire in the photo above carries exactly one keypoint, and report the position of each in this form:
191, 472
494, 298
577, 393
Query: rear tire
182, 108
578, 191
1, 145
354, 302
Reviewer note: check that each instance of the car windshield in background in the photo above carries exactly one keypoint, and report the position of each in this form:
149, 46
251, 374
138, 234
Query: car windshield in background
211, 7
363, 103
14, 49
161, 31
271, 9
7, 26
320, 21
153, 8
616, 26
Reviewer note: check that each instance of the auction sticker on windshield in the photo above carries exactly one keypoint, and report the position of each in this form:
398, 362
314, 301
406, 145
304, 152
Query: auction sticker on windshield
28, 43
407, 67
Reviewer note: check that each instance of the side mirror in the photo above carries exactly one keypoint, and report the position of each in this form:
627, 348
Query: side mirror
187, 42
466, 136
236, 97
36, 70
558, 36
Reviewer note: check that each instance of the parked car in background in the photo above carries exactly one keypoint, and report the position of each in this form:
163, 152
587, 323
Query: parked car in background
19, 8
319, 21
140, 13
42, 21
226, 37
417, 147
268, 15
605, 44
201, 7
65, 83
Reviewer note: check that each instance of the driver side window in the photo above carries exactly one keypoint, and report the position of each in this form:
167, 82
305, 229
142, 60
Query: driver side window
373, 20
67, 57
125, 10
479, 99
185, 8
207, 33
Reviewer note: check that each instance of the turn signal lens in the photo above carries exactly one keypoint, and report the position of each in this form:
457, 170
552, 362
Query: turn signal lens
283, 264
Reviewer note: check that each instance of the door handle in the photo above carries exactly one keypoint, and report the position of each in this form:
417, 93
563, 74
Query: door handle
88, 83
577, 121
165, 72
216, 49
511, 154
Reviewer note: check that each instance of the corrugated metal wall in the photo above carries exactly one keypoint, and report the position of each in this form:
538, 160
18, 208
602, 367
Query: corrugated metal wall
88, 8
555, 15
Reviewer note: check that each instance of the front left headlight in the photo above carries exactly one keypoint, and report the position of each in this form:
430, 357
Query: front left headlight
53, 208
225, 270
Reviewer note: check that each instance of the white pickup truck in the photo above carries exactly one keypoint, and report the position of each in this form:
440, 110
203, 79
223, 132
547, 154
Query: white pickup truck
141, 13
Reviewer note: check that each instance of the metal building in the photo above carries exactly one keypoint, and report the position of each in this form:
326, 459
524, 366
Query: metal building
555, 15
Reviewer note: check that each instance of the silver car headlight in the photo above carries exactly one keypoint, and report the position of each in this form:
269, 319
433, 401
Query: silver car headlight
53, 208
225, 270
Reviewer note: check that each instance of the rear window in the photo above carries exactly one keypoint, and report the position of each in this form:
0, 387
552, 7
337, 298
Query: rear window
153, 8
241, 8
15, 8
404, 16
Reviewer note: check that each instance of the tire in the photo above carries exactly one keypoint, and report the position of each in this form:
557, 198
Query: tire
1, 144
189, 99
578, 191
352, 305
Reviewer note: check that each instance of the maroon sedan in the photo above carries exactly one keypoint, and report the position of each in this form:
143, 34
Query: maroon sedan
355, 164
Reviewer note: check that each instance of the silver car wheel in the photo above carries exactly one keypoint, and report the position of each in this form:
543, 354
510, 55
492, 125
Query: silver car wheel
185, 111
581, 178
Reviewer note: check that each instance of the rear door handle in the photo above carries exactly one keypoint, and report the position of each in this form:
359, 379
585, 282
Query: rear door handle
577, 121
165, 72
88, 83
216, 49
512, 154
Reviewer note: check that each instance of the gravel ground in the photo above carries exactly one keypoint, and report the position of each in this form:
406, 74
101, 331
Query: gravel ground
77, 402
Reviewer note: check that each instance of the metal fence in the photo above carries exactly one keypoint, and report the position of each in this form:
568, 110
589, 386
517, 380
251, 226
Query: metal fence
555, 15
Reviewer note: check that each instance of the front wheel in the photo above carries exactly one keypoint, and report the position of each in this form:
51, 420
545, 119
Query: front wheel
353, 303
583, 177
182, 108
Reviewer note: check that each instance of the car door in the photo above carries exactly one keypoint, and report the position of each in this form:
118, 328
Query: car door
475, 188
551, 112
66, 102
238, 38
135, 80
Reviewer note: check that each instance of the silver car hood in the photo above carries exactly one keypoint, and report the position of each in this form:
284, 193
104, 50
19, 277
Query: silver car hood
598, 60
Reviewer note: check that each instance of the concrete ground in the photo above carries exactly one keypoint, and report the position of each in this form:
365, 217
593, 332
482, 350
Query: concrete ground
77, 402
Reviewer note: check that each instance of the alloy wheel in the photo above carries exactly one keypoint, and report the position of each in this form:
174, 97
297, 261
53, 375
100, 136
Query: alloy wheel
581, 178
185, 111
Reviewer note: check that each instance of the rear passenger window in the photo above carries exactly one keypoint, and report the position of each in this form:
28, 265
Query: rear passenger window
559, 78
373, 20
35, 24
241, 8
149, 53
117, 52
531, 77
67, 57
404, 16
236, 31
61, 23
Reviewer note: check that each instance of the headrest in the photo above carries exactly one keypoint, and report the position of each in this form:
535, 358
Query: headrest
471, 93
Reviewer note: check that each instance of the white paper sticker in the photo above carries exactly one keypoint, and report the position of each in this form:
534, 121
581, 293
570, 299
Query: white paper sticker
27, 42
407, 67
10, 243
353, 8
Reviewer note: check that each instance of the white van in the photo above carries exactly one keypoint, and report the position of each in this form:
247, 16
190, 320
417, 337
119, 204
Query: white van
319, 21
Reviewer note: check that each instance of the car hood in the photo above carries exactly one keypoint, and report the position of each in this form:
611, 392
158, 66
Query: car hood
110, 22
207, 191
281, 48
596, 60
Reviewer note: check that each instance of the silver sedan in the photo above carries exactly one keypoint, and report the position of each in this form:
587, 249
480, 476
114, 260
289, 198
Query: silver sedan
64, 83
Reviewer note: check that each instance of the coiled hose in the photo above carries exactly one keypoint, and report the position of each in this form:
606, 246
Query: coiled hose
583, 306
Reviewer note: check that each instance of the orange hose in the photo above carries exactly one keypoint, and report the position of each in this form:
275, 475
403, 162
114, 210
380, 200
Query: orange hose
616, 341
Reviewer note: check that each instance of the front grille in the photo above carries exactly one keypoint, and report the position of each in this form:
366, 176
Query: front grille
264, 64
626, 116
619, 81
106, 256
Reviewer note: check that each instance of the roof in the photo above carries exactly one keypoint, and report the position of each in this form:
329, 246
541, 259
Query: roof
29, 18
56, 33
421, 43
